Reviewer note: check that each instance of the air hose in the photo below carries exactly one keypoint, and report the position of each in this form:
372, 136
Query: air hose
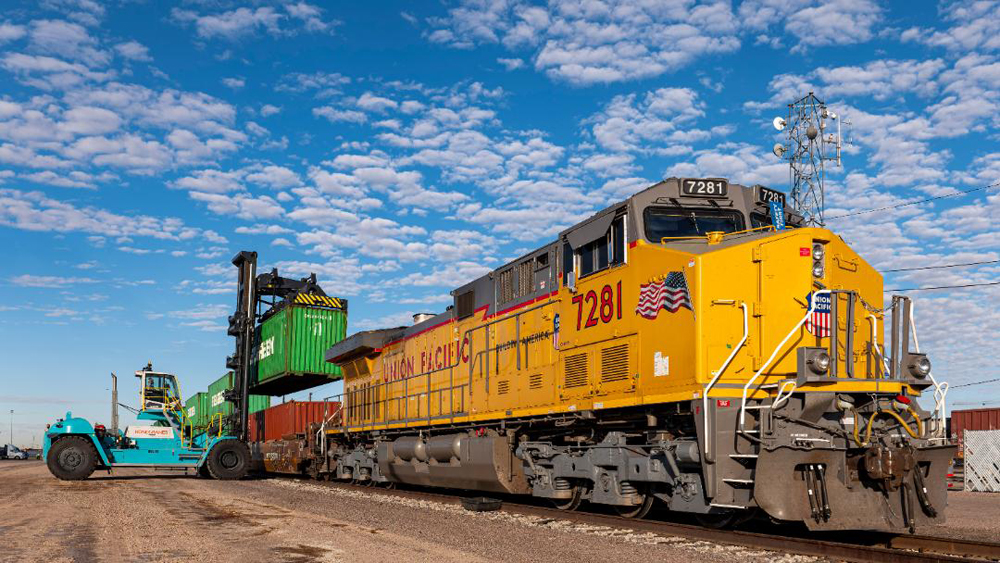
903, 423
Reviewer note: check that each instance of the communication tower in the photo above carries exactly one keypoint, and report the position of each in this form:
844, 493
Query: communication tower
807, 148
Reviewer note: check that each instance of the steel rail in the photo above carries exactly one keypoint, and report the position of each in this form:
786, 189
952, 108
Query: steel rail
864, 547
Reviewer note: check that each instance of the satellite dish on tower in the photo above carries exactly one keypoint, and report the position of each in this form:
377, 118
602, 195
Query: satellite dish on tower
779, 123
778, 150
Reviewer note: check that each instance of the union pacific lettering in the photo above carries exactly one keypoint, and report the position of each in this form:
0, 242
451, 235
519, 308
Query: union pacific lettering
404, 363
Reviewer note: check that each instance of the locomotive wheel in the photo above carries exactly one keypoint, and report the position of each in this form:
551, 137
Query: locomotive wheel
718, 520
571, 503
72, 458
388, 485
229, 460
638, 511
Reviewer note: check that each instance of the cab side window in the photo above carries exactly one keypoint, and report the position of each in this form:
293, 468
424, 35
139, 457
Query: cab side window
608, 250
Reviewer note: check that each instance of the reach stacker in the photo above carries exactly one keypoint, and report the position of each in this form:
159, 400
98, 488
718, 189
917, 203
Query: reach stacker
164, 438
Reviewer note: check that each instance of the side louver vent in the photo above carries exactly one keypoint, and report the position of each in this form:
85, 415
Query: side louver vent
614, 363
535, 381
575, 371
503, 387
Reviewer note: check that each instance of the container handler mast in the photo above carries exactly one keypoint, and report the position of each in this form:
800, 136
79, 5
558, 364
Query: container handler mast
256, 295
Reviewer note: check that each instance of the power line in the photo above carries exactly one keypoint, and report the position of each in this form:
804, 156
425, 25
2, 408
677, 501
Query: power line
974, 383
909, 203
943, 266
942, 287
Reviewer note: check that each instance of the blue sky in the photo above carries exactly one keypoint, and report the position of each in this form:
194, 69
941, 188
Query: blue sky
400, 149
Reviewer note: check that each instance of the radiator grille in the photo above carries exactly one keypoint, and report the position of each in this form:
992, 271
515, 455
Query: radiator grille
614, 363
535, 381
503, 387
575, 371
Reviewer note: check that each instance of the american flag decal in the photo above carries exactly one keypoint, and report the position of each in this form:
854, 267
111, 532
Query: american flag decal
818, 323
670, 293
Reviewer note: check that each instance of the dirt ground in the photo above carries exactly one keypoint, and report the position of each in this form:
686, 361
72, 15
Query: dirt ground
139, 515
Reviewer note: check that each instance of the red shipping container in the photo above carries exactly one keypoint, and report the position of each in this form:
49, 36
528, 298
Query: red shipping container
973, 419
293, 417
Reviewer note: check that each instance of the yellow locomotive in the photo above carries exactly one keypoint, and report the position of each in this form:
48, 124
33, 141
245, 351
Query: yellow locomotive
674, 346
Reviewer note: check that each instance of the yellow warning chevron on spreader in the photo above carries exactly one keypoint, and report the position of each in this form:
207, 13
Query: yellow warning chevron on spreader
319, 300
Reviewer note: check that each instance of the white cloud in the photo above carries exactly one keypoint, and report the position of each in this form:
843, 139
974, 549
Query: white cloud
594, 42
267, 110
29, 280
10, 32
234, 82
974, 26
211, 181
336, 115
243, 22
277, 177
326, 83
242, 205
233, 24
48, 73
34, 211
630, 123
67, 40
133, 50
815, 23
878, 79
262, 229
511, 64
371, 102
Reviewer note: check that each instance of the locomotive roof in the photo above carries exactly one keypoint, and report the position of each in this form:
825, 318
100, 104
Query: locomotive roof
668, 192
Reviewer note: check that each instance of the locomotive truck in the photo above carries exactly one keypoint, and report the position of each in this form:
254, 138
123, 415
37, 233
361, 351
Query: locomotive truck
681, 346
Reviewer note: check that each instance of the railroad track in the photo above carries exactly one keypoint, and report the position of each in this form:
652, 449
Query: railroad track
862, 548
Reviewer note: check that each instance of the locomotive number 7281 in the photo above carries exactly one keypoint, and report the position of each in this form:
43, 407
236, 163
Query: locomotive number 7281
601, 308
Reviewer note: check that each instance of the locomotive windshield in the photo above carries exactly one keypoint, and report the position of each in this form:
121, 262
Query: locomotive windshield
663, 222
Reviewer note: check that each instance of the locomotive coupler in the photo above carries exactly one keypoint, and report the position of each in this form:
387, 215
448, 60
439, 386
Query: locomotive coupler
888, 465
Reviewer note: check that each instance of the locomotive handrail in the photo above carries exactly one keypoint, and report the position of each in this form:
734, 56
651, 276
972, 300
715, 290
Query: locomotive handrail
940, 389
883, 361
722, 236
709, 453
746, 388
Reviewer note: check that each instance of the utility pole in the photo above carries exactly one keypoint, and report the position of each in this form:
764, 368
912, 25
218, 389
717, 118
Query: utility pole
12, 427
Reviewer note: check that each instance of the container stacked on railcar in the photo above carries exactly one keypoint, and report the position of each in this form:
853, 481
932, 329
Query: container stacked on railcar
674, 347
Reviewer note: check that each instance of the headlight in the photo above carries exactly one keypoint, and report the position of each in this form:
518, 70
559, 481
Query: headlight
818, 251
920, 366
817, 270
820, 363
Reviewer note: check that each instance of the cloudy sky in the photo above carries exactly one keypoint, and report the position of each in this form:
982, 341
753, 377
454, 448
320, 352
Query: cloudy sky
398, 153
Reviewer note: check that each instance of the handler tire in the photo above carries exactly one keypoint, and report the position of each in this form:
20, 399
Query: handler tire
229, 460
72, 458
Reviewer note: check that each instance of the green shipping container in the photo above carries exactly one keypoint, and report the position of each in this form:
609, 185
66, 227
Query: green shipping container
217, 402
197, 408
291, 346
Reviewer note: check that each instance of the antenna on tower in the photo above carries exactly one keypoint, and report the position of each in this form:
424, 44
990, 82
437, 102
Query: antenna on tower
809, 146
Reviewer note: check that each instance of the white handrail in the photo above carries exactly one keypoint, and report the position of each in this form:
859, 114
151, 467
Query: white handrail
940, 389
881, 355
781, 399
718, 372
746, 388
